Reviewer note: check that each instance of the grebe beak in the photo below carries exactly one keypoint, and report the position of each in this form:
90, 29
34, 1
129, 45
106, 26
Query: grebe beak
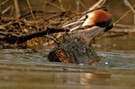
75, 25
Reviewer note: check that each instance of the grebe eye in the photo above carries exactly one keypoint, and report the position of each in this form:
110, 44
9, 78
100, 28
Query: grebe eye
86, 16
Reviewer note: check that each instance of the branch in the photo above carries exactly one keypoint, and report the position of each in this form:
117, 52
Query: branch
97, 5
22, 37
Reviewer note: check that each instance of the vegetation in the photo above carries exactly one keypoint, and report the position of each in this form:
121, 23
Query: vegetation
18, 28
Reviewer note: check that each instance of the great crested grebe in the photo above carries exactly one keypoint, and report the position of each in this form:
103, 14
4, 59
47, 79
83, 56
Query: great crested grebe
75, 48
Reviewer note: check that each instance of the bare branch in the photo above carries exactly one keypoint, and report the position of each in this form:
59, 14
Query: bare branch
17, 8
132, 9
97, 5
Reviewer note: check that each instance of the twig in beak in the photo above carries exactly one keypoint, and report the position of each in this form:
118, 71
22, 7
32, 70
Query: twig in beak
78, 24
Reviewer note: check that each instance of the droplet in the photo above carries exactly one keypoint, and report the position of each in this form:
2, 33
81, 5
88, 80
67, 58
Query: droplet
106, 63
75, 39
81, 64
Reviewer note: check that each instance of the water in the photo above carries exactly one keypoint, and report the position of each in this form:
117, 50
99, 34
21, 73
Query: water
30, 69
29, 76
35, 76
59, 76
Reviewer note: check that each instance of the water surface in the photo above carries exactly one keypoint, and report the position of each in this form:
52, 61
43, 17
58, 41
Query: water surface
30, 69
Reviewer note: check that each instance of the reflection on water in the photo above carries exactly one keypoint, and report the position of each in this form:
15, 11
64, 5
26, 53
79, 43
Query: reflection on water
116, 43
